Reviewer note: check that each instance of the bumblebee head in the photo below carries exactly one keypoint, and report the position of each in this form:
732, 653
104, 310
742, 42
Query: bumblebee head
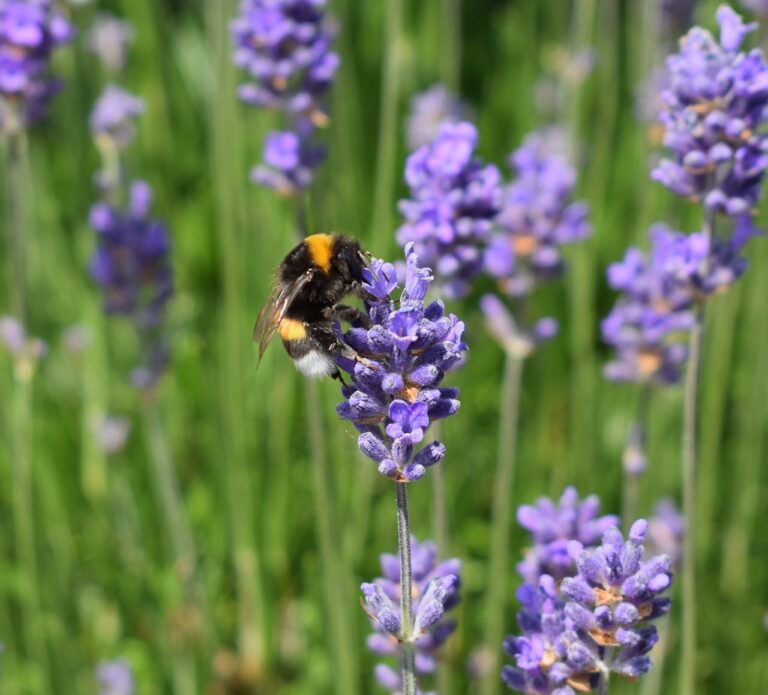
350, 257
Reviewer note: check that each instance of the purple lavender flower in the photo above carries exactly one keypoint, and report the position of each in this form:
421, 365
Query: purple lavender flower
289, 162
29, 31
436, 590
759, 7
285, 46
648, 325
115, 678
594, 622
553, 526
395, 393
454, 200
109, 39
111, 433
25, 351
429, 110
666, 529
132, 266
112, 120
537, 217
717, 103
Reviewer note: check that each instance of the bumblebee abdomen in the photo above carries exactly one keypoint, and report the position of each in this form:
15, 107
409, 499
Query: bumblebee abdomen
291, 330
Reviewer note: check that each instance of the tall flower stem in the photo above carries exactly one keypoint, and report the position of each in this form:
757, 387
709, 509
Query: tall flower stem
408, 656
605, 676
166, 487
386, 150
635, 438
450, 35
344, 680
690, 463
500, 520
24, 516
14, 210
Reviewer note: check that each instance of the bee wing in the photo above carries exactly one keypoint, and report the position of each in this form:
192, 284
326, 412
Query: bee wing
274, 311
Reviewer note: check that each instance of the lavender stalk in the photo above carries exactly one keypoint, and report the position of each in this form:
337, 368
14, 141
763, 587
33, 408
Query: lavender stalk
408, 660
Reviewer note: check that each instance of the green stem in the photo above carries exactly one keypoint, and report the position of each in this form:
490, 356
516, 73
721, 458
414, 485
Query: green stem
24, 518
166, 486
635, 446
450, 48
408, 653
500, 519
386, 151
689, 465
16, 257
344, 679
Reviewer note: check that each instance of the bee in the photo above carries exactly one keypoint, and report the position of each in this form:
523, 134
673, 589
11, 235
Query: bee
311, 282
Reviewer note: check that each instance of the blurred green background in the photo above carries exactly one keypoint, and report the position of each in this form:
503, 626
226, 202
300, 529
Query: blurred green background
286, 518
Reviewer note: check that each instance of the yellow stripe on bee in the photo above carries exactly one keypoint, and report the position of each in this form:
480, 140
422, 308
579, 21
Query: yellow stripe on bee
291, 329
320, 250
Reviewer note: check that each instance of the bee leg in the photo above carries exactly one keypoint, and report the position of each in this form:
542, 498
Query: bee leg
338, 375
350, 314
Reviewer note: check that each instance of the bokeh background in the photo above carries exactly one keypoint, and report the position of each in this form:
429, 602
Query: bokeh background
271, 492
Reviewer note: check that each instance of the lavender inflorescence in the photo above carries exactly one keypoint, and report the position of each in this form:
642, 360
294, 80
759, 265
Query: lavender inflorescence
454, 199
595, 622
435, 591
536, 219
115, 678
29, 32
395, 392
285, 47
717, 102
109, 39
648, 326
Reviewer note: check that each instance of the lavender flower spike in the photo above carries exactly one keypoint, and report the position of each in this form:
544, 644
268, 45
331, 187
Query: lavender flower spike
109, 39
395, 395
717, 103
592, 624
454, 200
435, 591
537, 216
29, 32
112, 120
429, 110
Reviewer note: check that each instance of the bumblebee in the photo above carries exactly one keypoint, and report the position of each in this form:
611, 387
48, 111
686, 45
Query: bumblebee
311, 282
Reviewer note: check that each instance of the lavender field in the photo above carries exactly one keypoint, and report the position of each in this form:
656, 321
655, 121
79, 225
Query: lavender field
542, 467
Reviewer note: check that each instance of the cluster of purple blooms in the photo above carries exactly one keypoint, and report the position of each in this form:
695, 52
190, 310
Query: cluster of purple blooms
594, 615
396, 394
435, 591
29, 31
285, 47
109, 39
113, 118
454, 201
716, 102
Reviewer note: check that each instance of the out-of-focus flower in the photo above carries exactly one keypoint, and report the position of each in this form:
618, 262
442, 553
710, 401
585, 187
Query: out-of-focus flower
717, 102
648, 325
25, 351
759, 7
435, 591
285, 47
111, 432
112, 120
429, 110
537, 217
553, 525
454, 200
76, 339
132, 266
666, 529
29, 31
115, 678
132, 262
505, 329
289, 162
109, 39
395, 395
